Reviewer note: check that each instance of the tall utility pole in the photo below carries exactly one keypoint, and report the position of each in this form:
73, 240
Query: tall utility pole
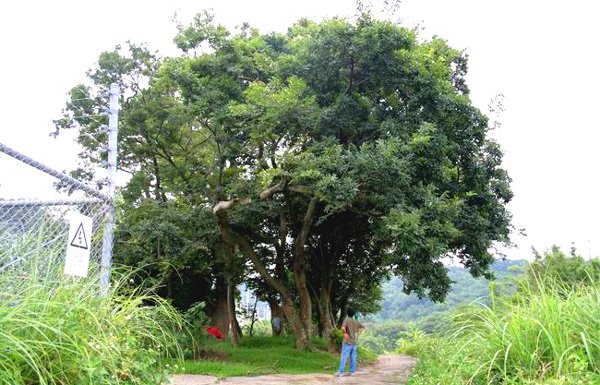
107, 240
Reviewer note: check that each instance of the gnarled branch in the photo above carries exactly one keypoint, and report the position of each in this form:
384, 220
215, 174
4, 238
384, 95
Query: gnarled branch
279, 187
224, 205
301, 238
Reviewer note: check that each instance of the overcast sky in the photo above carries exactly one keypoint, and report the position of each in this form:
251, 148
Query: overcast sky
541, 55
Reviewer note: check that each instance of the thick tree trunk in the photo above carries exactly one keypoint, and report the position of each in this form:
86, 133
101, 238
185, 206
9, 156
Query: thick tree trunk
276, 311
291, 313
219, 313
300, 320
295, 321
305, 300
326, 325
234, 326
299, 266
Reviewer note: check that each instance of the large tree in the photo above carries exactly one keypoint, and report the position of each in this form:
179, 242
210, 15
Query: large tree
355, 126
330, 156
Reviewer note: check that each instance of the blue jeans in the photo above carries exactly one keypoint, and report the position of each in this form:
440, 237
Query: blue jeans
348, 350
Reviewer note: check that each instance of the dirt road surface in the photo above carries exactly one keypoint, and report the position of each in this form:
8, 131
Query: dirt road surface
390, 369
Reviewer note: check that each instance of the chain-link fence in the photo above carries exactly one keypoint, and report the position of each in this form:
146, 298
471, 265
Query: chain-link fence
37, 224
59, 216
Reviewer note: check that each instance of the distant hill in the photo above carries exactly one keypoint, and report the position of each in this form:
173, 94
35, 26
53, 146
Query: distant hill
396, 305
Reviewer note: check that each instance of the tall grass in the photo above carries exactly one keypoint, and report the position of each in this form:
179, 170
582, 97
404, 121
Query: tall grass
544, 335
548, 334
56, 329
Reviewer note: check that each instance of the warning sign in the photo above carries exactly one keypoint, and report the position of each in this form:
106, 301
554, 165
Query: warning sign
78, 248
80, 240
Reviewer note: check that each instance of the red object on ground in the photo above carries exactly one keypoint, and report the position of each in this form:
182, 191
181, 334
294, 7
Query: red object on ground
215, 332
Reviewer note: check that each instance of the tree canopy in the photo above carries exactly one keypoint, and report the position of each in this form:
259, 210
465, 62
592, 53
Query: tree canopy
318, 162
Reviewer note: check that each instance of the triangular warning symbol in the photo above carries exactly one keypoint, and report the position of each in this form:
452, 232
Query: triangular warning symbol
79, 240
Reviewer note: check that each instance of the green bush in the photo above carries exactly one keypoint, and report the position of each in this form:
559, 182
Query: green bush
56, 329
373, 342
194, 341
410, 339
336, 339
562, 272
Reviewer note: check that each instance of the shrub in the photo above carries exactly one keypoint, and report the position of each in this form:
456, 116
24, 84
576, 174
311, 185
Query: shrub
563, 272
373, 342
410, 339
194, 341
336, 338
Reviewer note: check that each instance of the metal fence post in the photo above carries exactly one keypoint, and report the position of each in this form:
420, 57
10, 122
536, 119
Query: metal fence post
107, 241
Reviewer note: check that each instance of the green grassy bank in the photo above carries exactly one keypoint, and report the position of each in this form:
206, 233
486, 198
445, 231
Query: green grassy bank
268, 355
549, 334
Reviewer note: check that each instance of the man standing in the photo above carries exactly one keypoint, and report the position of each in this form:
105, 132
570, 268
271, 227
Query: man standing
351, 328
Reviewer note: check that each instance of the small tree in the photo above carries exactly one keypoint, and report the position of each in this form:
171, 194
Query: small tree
560, 271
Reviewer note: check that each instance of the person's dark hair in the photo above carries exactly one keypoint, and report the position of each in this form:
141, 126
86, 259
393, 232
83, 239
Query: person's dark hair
350, 312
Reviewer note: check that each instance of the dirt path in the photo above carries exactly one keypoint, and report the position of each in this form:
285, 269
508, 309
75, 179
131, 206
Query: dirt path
387, 370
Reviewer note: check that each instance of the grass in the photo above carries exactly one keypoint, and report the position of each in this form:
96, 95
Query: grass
543, 336
268, 355
56, 329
